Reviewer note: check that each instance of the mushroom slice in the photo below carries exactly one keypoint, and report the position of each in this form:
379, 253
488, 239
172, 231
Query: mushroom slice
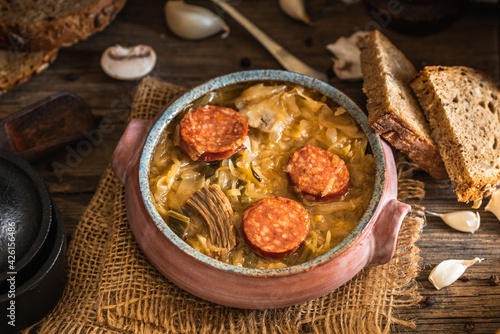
347, 63
214, 209
128, 63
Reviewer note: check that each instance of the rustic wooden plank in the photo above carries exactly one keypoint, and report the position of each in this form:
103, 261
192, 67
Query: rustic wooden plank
472, 40
80, 160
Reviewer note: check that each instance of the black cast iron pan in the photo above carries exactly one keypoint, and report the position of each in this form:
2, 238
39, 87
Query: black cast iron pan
39, 287
25, 213
25, 204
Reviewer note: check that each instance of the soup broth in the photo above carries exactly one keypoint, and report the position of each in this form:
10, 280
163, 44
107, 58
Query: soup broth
281, 118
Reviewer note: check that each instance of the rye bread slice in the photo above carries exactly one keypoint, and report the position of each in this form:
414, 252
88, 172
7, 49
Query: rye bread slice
17, 67
393, 110
462, 106
36, 25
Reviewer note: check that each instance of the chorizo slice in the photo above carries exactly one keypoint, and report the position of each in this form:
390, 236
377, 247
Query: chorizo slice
275, 227
317, 174
209, 133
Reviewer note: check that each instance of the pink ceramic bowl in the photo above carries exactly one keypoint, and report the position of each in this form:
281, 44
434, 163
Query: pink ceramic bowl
371, 243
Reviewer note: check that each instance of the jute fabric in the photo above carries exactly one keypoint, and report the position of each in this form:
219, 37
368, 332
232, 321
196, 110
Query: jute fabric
113, 288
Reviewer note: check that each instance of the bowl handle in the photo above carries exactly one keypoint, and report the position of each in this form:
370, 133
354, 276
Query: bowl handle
385, 231
129, 146
387, 224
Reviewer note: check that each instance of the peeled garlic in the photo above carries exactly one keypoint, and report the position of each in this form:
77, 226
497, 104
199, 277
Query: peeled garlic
494, 204
449, 271
463, 221
295, 9
193, 22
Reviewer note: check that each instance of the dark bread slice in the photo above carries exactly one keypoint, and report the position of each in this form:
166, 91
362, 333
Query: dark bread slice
36, 25
18, 67
462, 106
393, 110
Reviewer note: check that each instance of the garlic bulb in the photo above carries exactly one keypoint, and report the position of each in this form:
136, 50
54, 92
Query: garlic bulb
449, 271
494, 204
295, 9
193, 22
463, 221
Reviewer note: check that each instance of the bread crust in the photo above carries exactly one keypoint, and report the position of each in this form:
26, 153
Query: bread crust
393, 111
34, 64
396, 131
463, 107
62, 32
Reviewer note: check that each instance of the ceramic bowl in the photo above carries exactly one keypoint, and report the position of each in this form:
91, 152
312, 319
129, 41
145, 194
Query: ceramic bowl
371, 243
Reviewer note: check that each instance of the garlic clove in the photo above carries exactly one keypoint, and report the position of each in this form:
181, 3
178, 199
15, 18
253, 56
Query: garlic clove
193, 22
128, 63
463, 221
295, 9
447, 272
494, 204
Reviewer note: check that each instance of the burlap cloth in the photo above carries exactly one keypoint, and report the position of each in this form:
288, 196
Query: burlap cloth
112, 287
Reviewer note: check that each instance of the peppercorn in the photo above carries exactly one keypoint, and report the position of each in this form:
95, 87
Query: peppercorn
494, 280
429, 301
245, 62
465, 278
73, 77
49, 167
469, 326
330, 73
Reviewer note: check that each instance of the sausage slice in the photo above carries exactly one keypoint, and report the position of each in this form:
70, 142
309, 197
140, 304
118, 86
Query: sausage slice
317, 174
274, 227
210, 133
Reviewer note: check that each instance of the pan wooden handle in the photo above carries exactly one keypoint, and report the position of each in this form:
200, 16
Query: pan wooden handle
46, 126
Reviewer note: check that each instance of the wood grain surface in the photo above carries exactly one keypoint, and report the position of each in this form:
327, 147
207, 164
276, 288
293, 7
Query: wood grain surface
73, 172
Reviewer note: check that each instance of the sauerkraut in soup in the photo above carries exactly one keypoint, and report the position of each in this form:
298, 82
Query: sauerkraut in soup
281, 119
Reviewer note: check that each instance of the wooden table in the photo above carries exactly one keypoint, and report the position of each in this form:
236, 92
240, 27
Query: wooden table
473, 40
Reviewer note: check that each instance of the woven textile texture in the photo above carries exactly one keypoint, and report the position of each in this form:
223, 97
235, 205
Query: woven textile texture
112, 287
